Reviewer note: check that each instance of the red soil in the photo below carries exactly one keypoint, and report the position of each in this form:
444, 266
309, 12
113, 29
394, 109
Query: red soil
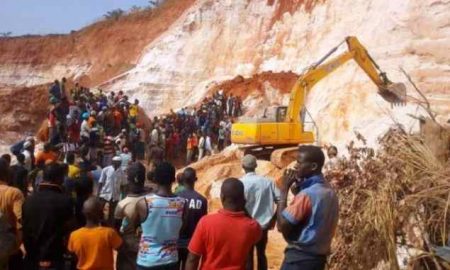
110, 46
240, 86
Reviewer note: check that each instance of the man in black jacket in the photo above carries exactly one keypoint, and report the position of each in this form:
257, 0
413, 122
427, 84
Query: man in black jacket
46, 216
20, 174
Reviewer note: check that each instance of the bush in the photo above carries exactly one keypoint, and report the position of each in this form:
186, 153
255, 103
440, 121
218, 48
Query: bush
114, 14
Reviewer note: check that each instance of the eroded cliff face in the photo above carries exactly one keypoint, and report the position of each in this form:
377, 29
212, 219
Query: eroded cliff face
177, 56
218, 40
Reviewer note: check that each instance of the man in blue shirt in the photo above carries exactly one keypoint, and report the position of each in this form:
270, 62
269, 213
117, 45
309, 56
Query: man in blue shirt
261, 196
308, 224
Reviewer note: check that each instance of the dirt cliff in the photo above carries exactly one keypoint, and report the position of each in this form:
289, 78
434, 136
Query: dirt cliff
174, 56
93, 54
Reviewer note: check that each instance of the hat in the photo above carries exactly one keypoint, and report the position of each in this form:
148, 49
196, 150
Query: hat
124, 130
93, 113
117, 158
249, 162
27, 144
85, 115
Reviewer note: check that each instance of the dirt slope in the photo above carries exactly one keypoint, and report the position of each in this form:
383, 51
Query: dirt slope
93, 54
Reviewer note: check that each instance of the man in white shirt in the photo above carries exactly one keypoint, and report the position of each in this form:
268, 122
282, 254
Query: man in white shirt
154, 136
261, 197
204, 146
28, 153
112, 185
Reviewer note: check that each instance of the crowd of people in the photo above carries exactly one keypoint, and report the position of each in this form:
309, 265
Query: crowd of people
92, 190
98, 125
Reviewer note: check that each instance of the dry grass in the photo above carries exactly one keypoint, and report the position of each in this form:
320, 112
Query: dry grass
398, 197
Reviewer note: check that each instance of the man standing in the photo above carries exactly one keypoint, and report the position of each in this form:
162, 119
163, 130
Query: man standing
20, 175
46, 215
161, 218
189, 149
112, 184
221, 137
195, 208
204, 146
93, 244
223, 240
155, 156
8, 241
125, 216
28, 152
11, 200
261, 195
315, 207
108, 151
333, 160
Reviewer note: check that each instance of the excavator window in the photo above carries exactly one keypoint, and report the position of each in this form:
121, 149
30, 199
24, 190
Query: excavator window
281, 114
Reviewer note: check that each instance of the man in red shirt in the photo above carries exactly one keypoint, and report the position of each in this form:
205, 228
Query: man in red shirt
224, 239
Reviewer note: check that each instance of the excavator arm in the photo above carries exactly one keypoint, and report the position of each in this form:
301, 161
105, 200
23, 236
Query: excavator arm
393, 93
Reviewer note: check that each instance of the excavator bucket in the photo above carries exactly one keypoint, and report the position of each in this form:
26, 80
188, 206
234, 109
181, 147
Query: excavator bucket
394, 93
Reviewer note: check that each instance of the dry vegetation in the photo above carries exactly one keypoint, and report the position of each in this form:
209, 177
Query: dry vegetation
393, 201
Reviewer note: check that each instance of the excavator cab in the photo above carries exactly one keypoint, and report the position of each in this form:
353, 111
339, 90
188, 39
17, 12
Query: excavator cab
281, 113
274, 114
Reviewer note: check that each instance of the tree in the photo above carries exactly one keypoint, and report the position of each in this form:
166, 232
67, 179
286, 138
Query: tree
135, 8
114, 14
154, 3
6, 34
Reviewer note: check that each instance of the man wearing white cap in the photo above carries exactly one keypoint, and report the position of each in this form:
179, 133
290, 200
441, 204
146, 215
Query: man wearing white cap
261, 196
112, 184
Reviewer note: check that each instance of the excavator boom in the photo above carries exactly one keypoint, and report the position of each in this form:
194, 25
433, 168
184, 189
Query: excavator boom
272, 136
394, 93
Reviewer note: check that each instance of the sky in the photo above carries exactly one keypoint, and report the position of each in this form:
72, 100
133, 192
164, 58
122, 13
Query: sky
56, 16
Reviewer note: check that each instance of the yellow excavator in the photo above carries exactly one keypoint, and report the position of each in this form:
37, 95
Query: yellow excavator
283, 127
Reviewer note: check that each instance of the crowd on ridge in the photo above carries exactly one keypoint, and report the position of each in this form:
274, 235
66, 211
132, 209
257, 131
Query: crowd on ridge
87, 193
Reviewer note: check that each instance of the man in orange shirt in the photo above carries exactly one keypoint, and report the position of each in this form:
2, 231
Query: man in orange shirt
223, 240
93, 244
11, 200
189, 149
47, 155
117, 120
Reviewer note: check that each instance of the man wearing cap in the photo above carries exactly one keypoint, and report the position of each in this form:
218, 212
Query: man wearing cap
261, 196
85, 128
112, 184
